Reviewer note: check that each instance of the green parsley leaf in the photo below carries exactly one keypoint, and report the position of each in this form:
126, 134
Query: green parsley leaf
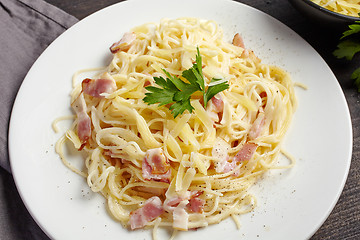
185, 93
175, 91
354, 28
214, 89
347, 48
180, 106
356, 76
175, 80
158, 95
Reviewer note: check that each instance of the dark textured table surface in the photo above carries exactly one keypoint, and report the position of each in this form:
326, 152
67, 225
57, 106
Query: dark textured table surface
344, 221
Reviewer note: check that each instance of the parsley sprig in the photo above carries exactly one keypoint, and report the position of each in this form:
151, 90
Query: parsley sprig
177, 92
348, 47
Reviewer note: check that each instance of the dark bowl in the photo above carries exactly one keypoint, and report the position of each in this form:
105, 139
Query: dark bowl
321, 15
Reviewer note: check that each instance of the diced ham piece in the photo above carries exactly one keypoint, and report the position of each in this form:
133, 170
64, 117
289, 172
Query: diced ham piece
124, 44
192, 203
252, 56
151, 209
180, 216
84, 121
263, 96
218, 104
169, 204
180, 206
156, 166
95, 87
246, 152
238, 41
229, 166
215, 108
224, 165
147, 83
194, 194
196, 204
157, 160
257, 126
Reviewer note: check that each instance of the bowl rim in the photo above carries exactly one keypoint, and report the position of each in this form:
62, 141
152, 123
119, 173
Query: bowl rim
329, 12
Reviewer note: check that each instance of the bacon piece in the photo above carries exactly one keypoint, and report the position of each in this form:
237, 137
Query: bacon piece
180, 206
194, 194
238, 41
246, 152
229, 166
252, 56
169, 204
257, 126
218, 104
84, 121
156, 166
157, 161
225, 165
215, 109
147, 83
95, 87
151, 209
263, 94
196, 205
124, 44
180, 216
220, 151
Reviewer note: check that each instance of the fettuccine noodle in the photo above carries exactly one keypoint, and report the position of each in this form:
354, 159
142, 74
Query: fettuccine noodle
213, 156
345, 7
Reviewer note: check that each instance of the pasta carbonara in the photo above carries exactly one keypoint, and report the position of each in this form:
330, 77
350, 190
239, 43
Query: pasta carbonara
193, 170
345, 7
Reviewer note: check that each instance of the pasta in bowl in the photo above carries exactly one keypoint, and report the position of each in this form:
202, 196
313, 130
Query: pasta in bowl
332, 14
180, 125
345, 7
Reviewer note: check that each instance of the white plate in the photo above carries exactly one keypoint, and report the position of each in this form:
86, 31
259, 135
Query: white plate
292, 204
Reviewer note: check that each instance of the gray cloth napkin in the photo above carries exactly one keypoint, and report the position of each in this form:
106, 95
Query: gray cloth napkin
27, 27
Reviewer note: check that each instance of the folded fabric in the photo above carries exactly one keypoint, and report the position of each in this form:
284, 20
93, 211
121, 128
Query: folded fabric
27, 28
